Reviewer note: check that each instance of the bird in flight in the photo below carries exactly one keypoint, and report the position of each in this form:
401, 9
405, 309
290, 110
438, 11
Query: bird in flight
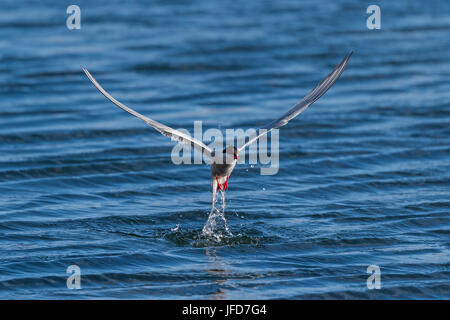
222, 164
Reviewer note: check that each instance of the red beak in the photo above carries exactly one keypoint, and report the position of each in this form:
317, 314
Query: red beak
236, 157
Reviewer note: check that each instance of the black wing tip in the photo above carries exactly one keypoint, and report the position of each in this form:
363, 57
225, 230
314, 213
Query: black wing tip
348, 56
345, 61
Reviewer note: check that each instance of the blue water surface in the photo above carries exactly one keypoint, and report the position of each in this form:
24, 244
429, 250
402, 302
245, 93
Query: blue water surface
364, 173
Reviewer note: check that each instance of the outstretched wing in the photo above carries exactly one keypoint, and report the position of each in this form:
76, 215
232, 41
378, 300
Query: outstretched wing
175, 135
304, 103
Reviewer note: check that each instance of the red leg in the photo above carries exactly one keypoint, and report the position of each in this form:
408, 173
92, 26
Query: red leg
225, 185
218, 184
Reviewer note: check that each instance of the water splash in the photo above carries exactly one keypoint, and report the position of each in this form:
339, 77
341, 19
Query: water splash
216, 226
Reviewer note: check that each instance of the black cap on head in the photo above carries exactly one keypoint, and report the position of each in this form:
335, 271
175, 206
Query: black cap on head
230, 149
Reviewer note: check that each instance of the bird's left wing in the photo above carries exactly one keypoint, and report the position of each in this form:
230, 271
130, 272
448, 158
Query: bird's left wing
163, 129
304, 103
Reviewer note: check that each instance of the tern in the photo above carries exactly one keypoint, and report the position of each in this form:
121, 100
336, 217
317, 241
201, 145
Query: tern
222, 165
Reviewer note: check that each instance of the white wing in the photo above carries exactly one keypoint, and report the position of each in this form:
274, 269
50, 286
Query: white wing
175, 135
300, 106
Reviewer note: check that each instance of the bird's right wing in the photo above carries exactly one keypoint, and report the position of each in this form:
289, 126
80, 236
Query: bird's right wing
175, 135
304, 103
